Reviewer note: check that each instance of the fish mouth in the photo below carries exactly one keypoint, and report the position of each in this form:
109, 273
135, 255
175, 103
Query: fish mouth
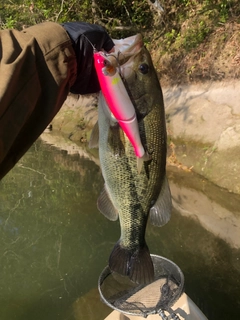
125, 51
128, 46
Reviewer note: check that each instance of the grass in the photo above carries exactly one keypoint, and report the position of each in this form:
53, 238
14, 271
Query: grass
199, 41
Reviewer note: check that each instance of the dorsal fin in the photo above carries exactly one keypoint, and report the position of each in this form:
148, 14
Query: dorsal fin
106, 207
160, 213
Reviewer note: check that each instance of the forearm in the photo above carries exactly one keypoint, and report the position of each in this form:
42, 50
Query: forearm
35, 76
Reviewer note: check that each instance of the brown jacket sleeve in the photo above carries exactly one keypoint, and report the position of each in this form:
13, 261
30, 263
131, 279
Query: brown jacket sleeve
37, 68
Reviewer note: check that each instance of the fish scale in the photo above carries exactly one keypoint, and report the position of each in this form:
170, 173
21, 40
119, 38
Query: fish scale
131, 195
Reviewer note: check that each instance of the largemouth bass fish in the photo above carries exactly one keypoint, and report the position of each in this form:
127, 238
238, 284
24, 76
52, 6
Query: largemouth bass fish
128, 194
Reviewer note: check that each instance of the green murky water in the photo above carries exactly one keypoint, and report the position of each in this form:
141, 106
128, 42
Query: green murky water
55, 243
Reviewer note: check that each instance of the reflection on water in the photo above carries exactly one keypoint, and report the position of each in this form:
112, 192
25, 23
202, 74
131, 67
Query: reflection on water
55, 243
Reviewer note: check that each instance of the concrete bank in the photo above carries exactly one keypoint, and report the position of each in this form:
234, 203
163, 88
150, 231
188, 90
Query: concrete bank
203, 123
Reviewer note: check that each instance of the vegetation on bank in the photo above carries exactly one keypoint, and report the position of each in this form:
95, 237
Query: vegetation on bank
190, 40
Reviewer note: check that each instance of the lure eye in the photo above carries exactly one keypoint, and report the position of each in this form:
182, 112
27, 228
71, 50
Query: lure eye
143, 68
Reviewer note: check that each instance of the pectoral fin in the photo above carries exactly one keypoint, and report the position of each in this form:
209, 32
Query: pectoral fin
94, 138
106, 207
160, 213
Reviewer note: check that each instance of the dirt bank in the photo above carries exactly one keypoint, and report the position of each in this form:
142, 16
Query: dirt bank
215, 58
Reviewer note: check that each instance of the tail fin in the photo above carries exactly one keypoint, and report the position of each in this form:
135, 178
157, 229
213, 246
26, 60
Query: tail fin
136, 265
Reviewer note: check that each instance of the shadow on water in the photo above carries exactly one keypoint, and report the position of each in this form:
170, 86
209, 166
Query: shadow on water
55, 243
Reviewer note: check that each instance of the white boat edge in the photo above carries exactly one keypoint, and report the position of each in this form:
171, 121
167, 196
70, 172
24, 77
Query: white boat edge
184, 307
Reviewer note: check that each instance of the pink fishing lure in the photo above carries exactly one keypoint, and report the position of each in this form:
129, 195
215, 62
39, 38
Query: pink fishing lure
119, 103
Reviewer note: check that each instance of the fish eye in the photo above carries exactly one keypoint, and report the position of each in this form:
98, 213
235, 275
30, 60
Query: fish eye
143, 68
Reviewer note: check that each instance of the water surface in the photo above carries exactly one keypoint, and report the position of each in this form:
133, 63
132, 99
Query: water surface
55, 243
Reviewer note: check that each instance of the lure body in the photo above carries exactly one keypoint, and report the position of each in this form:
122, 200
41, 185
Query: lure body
119, 102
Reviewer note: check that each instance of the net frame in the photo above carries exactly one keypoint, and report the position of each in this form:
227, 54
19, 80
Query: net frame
122, 295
